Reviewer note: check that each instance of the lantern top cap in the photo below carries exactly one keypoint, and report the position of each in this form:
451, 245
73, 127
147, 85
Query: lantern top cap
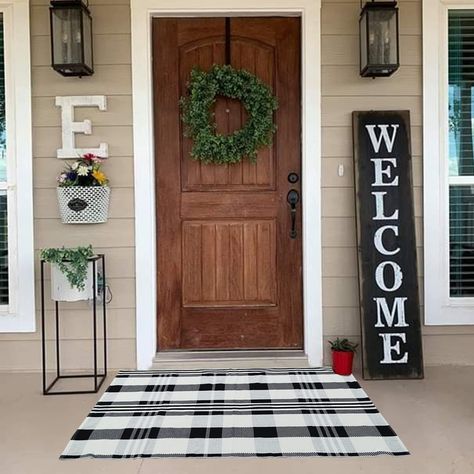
378, 5
70, 3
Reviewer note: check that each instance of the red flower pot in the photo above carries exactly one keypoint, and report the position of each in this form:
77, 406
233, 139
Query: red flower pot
342, 362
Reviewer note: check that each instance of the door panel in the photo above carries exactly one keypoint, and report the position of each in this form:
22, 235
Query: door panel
229, 275
256, 57
221, 262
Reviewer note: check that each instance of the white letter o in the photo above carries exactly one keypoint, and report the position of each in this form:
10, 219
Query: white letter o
397, 273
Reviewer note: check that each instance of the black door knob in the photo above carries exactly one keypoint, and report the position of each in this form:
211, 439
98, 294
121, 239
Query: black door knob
293, 198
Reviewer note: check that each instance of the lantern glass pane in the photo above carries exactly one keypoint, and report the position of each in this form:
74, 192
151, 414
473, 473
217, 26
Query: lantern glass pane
382, 36
363, 41
87, 25
67, 36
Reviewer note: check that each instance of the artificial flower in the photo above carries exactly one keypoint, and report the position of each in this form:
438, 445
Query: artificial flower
85, 171
82, 170
99, 176
91, 157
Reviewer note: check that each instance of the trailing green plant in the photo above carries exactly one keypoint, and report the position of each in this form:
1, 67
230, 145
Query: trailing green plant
72, 262
343, 345
198, 117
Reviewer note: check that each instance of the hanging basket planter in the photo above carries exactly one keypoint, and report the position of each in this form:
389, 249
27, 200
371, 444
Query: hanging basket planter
83, 204
83, 192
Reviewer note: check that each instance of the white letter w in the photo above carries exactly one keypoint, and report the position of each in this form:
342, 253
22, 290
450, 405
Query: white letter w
376, 142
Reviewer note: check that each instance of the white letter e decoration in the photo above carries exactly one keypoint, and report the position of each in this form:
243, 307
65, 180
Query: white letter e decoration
70, 127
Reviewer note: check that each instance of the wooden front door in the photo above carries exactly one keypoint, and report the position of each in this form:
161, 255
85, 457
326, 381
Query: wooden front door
229, 274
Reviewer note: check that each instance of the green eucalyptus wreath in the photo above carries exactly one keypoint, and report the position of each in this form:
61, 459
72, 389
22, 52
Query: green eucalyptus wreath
257, 99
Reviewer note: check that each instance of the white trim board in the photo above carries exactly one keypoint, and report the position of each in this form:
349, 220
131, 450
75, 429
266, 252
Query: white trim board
145, 221
440, 309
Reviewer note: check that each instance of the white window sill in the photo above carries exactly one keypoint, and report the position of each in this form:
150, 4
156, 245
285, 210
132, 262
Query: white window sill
10, 323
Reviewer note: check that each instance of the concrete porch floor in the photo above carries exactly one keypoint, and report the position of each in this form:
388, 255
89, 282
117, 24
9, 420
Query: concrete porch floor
434, 418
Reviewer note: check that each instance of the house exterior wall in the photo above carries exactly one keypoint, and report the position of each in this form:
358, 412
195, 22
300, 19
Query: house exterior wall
111, 27
342, 92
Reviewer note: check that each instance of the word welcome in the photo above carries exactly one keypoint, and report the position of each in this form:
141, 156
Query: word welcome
390, 310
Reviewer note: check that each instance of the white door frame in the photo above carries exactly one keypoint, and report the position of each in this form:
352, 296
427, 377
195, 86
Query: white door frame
145, 214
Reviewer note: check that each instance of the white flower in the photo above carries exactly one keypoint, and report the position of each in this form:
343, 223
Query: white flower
82, 171
75, 165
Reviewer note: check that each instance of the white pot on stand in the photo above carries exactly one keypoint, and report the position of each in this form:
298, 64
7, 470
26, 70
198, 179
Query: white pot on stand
61, 289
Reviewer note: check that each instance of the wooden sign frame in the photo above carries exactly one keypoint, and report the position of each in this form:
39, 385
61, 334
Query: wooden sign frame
388, 277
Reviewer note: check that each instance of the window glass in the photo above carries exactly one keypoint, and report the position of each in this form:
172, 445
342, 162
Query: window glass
67, 23
460, 152
461, 249
3, 135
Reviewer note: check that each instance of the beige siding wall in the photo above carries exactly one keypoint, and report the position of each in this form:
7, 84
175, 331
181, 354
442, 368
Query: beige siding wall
343, 91
115, 238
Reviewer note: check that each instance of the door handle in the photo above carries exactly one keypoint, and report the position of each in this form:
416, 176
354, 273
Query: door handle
293, 198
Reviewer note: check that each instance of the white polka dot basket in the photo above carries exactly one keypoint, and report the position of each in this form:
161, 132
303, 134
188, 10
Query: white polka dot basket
83, 204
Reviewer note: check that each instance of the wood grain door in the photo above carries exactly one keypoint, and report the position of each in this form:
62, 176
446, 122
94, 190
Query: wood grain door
229, 275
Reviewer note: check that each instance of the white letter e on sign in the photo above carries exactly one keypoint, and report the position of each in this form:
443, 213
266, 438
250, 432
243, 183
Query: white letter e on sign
70, 127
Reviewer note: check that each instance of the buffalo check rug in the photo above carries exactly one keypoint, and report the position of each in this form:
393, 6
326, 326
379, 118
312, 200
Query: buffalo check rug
214, 413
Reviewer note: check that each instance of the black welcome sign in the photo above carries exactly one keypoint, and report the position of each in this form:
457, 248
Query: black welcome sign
388, 280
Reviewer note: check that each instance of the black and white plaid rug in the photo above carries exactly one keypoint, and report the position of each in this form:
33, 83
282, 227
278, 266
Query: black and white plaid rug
259, 412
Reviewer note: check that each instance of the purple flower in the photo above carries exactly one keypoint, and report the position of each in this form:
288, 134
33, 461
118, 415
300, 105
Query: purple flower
71, 175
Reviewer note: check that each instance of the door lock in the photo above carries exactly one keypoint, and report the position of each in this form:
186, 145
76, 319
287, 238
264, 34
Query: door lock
293, 178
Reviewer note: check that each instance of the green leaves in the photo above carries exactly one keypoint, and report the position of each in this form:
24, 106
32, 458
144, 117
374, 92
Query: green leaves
343, 345
257, 99
72, 262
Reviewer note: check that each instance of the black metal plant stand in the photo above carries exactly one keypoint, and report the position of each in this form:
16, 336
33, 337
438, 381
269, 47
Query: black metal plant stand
97, 376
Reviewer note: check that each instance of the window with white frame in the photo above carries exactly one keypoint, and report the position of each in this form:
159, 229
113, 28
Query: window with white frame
17, 309
461, 152
448, 61
4, 264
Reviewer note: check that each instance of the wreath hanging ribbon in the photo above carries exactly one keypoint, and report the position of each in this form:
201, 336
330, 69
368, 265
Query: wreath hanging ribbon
198, 118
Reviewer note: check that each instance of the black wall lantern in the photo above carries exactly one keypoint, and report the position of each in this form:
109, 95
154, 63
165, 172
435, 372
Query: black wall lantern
379, 48
71, 38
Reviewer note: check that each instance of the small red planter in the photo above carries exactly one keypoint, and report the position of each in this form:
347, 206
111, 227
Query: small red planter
342, 362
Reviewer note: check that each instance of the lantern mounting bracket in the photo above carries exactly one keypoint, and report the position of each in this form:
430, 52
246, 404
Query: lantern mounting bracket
228, 51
